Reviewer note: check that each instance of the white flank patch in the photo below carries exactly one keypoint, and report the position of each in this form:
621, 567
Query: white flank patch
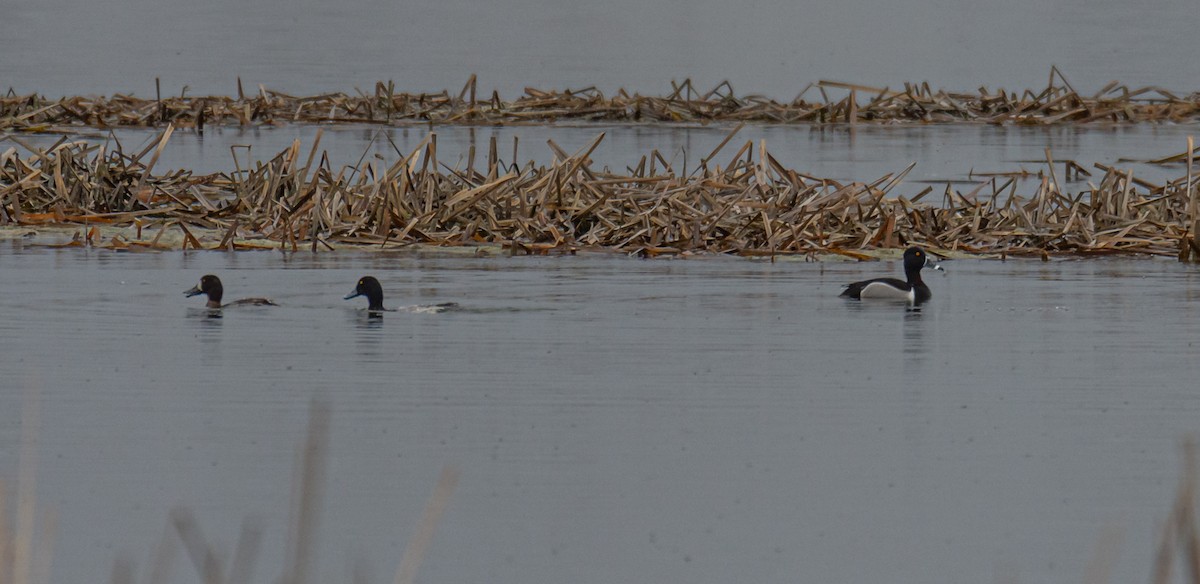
422, 309
887, 292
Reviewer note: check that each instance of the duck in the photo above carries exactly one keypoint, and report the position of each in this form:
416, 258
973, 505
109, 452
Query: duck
210, 286
371, 288
911, 289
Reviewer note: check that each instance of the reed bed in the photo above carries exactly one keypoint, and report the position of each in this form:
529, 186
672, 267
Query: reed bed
824, 102
742, 202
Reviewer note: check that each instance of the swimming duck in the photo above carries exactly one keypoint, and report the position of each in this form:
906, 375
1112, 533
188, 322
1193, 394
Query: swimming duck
210, 285
368, 286
912, 288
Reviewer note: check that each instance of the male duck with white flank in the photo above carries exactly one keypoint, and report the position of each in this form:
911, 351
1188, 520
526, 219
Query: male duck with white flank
911, 289
210, 286
371, 288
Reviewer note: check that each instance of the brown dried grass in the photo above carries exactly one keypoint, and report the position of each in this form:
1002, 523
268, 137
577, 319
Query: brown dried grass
749, 205
824, 102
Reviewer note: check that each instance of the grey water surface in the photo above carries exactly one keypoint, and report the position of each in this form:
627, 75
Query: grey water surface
773, 47
613, 420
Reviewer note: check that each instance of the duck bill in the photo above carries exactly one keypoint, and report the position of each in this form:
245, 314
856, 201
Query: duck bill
353, 294
931, 265
193, 291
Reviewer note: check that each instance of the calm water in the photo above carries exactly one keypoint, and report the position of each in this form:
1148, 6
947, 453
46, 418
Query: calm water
774, 47
941, 153
614, 420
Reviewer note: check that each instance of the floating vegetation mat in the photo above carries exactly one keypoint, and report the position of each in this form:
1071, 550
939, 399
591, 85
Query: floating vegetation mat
741, 202
823, 102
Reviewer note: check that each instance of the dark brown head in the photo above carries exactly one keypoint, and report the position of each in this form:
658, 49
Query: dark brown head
209, 285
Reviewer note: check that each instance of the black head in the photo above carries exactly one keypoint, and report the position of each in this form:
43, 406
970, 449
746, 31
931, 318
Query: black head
915, 258
209, 285
369, 287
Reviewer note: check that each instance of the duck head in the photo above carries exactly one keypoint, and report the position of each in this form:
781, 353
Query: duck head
916, 258
369, 287
210, 286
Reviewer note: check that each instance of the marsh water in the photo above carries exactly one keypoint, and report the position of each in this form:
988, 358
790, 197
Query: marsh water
613, 419
770, 47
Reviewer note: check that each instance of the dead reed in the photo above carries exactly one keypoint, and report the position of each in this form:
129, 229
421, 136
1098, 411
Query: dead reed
1180, 537
26, 550
743, 203
824, 102
25, 555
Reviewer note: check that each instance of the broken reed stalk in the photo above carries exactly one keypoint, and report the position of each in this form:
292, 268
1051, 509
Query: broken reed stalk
23, 548
204, 556
26, 543
306, 496
406, 573
1180, 533
753, 206
1193, 199
1099, 568
307, 493
1058, 103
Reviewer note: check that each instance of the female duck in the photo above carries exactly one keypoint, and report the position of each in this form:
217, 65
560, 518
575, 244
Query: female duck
912, 288
210, 286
